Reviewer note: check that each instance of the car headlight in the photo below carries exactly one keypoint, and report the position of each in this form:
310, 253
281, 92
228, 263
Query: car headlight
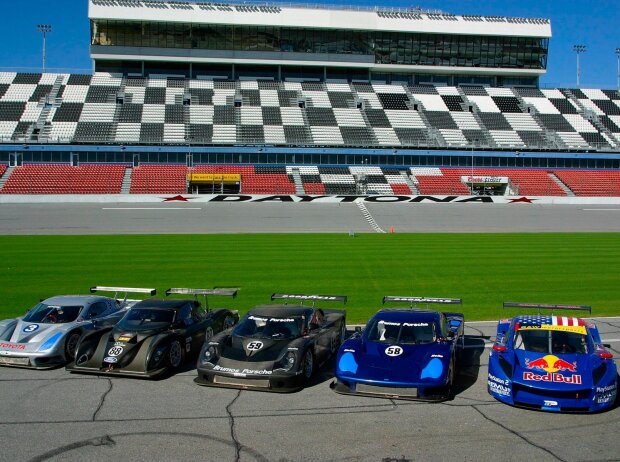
288, 361
209, 354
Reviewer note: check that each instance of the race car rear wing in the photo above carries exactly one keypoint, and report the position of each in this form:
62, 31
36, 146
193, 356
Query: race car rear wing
413, 301
310, 298
218, 291
123, 290
547, 306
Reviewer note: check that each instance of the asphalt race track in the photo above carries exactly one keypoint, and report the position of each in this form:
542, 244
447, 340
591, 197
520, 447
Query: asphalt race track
55, 415
175, 217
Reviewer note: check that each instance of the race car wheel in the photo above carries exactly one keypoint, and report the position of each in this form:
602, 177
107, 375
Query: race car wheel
71, 345
175, 354
308, 364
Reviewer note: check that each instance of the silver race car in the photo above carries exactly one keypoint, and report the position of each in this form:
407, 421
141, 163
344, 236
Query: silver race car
47, 335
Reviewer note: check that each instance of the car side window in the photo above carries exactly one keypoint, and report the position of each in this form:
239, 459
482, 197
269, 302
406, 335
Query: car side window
96, 309
185, 315
197, 314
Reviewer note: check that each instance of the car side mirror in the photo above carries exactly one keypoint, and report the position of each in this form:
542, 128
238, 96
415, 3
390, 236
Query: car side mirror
358, 329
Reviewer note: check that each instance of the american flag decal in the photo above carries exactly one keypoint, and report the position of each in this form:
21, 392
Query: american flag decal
560, 323
566, 321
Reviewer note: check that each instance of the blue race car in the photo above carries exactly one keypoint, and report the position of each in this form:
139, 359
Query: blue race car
403, 353
551, 363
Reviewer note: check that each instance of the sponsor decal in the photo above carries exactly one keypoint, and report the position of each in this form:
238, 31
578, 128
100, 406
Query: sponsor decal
349, 350
552, 377
548, 402
110, 359
254, 346
498, 388
242, 371
551, 363
605, 394
115, 351
611, 387
498, 380
13, 346
436, 356
416, 324
30, 328
125, 338
120, 344
393, 351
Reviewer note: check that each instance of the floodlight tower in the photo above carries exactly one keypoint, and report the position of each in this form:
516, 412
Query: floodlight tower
44, 29
578, 49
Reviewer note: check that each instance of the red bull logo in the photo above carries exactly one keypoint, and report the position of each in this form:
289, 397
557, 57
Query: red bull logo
574, 379
551, 363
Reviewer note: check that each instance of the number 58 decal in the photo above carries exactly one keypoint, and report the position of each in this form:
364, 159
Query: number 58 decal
394, 351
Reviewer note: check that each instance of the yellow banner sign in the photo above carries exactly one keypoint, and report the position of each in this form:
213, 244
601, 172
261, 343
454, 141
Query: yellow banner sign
574, 329
214, 177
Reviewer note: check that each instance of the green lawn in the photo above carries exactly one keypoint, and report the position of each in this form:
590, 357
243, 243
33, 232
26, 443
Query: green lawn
482, 269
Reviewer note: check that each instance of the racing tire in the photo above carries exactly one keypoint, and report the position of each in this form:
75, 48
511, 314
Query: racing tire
175, 354
307, 366
450, 383
71, 345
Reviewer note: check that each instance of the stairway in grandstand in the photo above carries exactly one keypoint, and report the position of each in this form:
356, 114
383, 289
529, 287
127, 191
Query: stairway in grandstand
105, 108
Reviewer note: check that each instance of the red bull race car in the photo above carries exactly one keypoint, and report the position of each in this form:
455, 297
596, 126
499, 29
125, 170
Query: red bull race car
551, 363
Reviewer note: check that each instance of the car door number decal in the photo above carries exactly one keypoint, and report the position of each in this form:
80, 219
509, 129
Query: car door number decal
254, 346
393, 351
31, 328
115, 351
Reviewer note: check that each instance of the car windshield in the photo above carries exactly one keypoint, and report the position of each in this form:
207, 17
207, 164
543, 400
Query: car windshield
139, 316
269, 327
53, 314
413, 333
550, 341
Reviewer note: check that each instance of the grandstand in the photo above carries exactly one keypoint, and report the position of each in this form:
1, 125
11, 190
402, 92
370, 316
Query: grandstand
388, 102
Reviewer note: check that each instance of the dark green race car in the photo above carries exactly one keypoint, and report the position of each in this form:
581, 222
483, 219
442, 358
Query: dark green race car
154, 337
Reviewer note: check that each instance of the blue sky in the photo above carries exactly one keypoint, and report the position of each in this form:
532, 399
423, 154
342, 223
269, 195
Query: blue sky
594, 24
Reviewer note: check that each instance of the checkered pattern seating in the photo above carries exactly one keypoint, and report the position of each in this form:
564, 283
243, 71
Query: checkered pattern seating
105, 108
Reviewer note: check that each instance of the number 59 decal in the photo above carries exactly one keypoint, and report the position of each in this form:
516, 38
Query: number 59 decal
254, 346
394, 351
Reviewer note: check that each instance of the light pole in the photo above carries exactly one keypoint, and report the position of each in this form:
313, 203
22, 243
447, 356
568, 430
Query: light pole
44, 29
618, 55
579, 49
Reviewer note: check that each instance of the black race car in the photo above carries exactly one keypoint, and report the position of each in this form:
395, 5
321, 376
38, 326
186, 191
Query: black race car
274, 347
154, 337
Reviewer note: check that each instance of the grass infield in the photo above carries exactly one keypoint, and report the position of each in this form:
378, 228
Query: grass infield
482, 269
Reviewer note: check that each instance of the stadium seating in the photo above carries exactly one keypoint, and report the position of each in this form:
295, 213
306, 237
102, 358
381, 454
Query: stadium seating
104, 108
330, 180
591, 182
65, 179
